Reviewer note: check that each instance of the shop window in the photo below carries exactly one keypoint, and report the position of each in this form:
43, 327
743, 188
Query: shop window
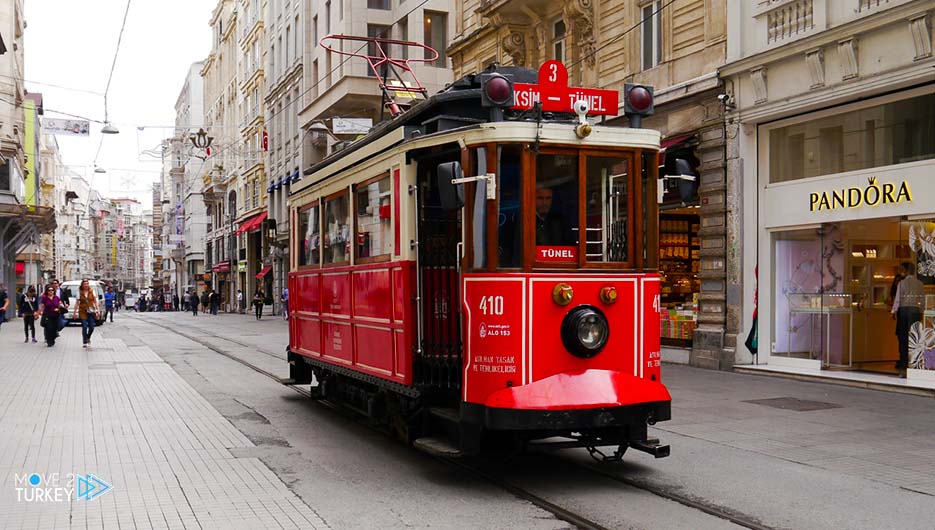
337, 245
309, 236
374, 220
556, 215
892, 133
510, 219
607, 215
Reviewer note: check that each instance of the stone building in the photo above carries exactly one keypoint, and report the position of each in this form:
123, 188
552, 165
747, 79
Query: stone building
677, 47
832, 144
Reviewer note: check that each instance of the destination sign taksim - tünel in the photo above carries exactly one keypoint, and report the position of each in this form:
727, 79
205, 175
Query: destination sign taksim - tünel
556, 96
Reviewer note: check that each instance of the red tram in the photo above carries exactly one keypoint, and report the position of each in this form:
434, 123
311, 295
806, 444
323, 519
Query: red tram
474, 272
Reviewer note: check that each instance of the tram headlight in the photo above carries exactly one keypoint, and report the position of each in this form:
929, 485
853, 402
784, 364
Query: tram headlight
585, 331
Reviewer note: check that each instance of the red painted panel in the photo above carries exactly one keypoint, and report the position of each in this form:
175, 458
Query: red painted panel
494, 349
308, 334
374, 348
337, 342
336, 293
548, 354
400, 296
372, 293
650, 305
586, 389
403, 355
304, 292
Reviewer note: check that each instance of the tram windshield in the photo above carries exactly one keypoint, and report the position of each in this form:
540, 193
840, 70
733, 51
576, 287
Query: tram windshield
565, 208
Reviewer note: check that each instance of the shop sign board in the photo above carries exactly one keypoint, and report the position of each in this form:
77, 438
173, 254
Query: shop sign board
882, 192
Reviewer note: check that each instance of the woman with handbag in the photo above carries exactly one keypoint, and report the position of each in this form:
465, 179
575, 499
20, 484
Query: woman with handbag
86, 311
50, 307
28, 306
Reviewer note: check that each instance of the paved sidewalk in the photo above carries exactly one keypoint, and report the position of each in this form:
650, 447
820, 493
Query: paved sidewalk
123, 415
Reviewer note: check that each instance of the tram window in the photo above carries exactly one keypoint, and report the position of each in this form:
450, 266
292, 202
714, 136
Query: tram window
608, 188
510, 219
374, 224
310, 233
337, 231
557, 208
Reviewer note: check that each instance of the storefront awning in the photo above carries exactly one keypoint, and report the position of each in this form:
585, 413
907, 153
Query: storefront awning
264, 272
669, 142
252, 223
224, 266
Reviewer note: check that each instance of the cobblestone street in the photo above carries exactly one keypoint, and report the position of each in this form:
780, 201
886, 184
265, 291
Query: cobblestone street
189, 438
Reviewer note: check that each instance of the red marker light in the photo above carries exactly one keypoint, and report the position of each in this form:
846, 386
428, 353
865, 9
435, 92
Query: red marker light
640, 99
498, 90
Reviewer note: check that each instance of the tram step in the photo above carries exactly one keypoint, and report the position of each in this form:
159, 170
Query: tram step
651, 446
447, 414
437, 447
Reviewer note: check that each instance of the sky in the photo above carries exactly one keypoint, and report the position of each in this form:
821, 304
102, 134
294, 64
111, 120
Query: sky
71, 44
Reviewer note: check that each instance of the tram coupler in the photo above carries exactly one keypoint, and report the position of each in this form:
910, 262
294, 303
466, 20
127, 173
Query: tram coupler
651, 446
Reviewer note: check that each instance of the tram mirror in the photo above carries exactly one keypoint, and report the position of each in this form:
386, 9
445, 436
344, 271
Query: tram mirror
451, 195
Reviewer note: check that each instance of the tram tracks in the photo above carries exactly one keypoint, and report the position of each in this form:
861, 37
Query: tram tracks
577, 520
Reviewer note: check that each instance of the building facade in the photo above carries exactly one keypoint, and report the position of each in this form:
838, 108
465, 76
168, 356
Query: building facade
832, 118
285, 45
223, 193
677, 48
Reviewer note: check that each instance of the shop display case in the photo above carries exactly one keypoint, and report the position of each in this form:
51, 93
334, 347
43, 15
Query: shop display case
820, 308
679, 265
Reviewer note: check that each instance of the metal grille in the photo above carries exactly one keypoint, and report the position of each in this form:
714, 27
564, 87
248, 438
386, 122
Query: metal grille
439, 362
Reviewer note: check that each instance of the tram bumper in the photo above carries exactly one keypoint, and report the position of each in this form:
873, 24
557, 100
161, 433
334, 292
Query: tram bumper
581, 400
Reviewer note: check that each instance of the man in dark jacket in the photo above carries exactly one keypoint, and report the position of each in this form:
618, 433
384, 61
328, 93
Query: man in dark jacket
551, 227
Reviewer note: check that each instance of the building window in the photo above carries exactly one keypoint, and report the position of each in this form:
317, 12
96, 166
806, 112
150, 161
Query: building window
315, 29
402, 32
558, 40
288, 52
651, 34
882, 135
378, 32
328, 17
378, 4
309, 236
436, 36
295, 35
337, 230
374, 223
5, 177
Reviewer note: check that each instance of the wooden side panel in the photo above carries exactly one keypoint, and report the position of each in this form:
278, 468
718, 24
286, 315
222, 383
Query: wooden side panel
360, 316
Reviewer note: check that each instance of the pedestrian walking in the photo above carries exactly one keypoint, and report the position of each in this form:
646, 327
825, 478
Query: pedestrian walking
194, 303
86, 310
64, 296
205, 299
907, 306
109, 301
215, 300
186, 301
28, 306
50, 309
240, 307
175, 301
4, 303
258, 299
284, 299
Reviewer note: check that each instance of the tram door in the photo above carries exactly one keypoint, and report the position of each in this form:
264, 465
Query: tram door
438, 364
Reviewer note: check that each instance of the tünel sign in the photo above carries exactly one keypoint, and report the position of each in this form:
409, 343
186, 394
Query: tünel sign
871, 195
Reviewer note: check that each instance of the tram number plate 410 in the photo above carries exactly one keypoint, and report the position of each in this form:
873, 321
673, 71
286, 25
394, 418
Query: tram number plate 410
491, 305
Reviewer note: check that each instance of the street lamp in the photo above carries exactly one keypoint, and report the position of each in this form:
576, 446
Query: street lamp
109, 129
200, 139
98, 169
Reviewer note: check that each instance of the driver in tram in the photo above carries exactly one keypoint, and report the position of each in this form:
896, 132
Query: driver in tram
551, 226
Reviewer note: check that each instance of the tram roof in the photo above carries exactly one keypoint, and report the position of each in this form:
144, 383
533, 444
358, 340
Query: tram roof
456, 111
